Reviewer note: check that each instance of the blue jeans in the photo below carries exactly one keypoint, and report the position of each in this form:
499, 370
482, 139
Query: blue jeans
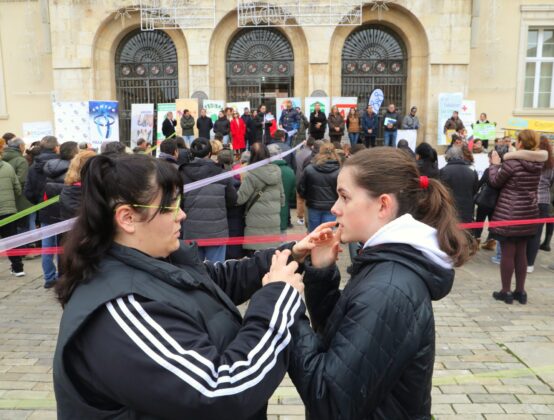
226, 139
188, 140
317, 217
48, 266
212, 253
353, 138
390, 138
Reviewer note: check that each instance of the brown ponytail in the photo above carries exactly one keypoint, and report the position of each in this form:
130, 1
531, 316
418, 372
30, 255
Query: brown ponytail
384, 170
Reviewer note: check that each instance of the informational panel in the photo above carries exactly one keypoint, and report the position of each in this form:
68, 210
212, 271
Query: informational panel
484, 131
310, 102
467, 115
448, 103
344, 104
103, 122
71, 121
142, 123
36, 130
213, 107
192, 105
239, 106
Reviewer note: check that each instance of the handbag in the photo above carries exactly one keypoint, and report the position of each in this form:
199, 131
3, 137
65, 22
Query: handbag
486, 196
254, 199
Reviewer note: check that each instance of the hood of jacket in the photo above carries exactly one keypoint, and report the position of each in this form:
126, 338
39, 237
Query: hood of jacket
200, 168
11, 153
42, 158
55, 168
531, 160
327, 166
397, 241
268, 174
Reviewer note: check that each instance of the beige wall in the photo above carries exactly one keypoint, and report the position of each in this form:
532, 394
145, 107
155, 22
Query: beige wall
26, 69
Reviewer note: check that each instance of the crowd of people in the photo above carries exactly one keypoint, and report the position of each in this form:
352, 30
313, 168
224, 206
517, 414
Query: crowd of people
137, 298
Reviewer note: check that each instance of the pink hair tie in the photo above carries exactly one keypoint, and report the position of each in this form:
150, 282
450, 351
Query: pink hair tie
423, 182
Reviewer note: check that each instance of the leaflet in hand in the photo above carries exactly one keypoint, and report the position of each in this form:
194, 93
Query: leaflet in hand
389, 121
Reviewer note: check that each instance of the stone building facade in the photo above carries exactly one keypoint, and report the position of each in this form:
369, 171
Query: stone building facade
71, 50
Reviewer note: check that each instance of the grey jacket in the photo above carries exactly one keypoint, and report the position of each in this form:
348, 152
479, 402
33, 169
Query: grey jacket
263, 218
410, 123
187, 124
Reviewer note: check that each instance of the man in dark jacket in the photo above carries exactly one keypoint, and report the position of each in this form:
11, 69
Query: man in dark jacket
204, 125
391, 122
289, 121
246, 117
206, 207
36, 178
289, 186
169, 152
168, 126
462, 180
318, 122
55, 170
262, 125
187, 125
453, 123
370, 125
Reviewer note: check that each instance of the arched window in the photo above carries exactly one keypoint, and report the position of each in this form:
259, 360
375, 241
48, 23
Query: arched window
145, 72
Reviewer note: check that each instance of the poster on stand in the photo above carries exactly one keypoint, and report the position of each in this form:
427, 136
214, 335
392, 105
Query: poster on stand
410, 136
212, 107
103, 122
344, 103
448, 103
310, 101
163, 109
142, 123
376, 100
71, 121
238, 106
467, 115
192, 105
36, 130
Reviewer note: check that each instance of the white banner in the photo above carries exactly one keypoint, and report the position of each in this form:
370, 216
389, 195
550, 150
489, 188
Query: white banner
481, 162
71, 121
448, 103
142, 123
213, 107
409, 135
467, 115
35, 131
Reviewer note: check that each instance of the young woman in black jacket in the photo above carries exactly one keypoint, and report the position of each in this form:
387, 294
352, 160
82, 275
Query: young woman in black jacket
370, 353
148, 329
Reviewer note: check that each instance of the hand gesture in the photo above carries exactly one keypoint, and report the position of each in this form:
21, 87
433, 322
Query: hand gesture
326, 250
495, 158
281, 271
303, 248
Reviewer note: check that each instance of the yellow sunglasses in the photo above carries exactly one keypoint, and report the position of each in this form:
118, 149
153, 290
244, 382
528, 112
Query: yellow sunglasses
175, 209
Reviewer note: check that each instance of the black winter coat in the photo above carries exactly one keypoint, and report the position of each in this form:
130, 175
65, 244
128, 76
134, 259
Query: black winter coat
36, 178
395, 116
55, 171
261, 127
318, 185
206, 207
168, 127
318, 133
428, 168
70, 201
222, 126
462, 181
204, 125
372, 353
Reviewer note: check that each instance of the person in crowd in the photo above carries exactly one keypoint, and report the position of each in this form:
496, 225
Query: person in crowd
336, 125
204, 124
468, 156
370, 125
477, 146
225, 159
303, 125
113, 147
55, 171
2, 145
13, 155
83, 145
168, 126
353, 125
7, 137
318, 186
301, 156
339, 151
356, 148
183, 151
36, 178
70, 195
391, 122
410, 121
32, 152
453, 123
405, 146
143, 313
280, 138
10, 189
206, 207
229, 113
318, 122
262, 125
543, 197
462, 181
252, 130
217, 146
483, 120
247, 118
371, 348
427, 160
485, 199
517, 177
238, 134
289, 121
187, 125
169, 152
142, 144
456, 141
289, 186
263, 195
222, 127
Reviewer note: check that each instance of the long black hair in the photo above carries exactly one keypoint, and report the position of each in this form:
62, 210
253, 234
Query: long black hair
108, 181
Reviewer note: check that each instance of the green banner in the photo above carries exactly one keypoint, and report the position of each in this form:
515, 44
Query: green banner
484, 131
28, 211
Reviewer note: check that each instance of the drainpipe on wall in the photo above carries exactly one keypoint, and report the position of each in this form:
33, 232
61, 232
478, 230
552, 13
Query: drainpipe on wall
475, 9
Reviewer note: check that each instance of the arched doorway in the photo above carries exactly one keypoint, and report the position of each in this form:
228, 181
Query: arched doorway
260, 67
146, 71
374, 57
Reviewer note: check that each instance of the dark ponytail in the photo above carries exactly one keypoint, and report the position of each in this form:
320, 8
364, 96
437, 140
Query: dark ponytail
106, 182
384, 170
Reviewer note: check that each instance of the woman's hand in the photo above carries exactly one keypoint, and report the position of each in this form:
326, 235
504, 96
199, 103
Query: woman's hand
326, 251
303, 248
495, 158
281, 271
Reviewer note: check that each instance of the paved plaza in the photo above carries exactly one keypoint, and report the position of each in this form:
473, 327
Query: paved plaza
494, 361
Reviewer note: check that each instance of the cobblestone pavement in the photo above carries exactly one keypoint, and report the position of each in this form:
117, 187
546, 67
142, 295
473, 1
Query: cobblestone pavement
493, 360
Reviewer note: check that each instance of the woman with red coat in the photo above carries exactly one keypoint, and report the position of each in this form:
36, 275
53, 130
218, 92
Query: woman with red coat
238, 133
517, 177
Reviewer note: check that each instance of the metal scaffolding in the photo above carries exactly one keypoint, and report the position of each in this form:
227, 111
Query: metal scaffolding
299, 13
177, 14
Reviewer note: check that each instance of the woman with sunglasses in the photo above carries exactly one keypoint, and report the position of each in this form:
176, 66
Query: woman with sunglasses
148, 329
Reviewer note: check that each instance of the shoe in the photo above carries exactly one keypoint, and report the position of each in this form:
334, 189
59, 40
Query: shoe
18, 273
495, 260
530, 269
545, 247
489, 245
290, 226
506, 297
49, 284
521, 297
300, 222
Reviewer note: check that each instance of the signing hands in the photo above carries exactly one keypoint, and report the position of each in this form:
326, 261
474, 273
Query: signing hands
281, 271
323, 244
